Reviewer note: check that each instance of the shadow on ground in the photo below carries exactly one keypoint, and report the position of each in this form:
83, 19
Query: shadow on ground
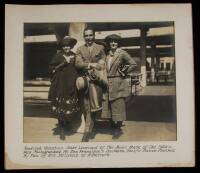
162, 83
139, 108
151, 108
37, 110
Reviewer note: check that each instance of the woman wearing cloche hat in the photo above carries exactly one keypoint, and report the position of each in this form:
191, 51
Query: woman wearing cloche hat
63, 93
119, 64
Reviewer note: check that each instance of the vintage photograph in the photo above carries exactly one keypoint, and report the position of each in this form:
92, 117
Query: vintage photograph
99, 86
99, 82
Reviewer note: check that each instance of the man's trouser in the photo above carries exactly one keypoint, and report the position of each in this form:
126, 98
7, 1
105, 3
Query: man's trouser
91, 108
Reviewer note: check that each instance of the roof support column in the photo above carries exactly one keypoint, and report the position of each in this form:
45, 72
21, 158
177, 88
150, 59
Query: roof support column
76, 31
153, 66
143, 34
157, 63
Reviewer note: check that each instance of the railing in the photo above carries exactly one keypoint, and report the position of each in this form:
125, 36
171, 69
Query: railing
160, 76
36, 91
164, 74
37, 82
136, 83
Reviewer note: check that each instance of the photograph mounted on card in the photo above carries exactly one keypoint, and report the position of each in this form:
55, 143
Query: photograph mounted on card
92, 89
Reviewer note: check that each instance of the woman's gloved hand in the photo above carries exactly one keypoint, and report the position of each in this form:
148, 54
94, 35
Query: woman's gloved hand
123, 70
68, 58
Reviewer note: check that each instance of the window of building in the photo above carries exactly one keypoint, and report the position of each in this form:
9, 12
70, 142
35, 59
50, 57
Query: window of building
167, 66
162, 66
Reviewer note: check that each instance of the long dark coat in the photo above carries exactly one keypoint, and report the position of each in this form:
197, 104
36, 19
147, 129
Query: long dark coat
62, 92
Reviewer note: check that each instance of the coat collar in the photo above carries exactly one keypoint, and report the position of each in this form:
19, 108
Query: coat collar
118, 50
114, 57
93, 52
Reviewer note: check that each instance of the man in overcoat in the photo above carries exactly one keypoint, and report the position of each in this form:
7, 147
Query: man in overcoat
88, 57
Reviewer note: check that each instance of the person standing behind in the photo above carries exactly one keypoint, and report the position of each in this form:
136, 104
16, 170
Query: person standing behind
88, 57
119, 64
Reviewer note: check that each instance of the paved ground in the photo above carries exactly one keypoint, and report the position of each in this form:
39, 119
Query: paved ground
151, 116
40, 130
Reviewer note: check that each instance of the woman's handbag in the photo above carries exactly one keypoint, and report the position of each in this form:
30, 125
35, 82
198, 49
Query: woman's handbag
123, 70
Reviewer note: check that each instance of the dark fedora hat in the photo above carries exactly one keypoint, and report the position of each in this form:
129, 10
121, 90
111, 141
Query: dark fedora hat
68, 41
113, 37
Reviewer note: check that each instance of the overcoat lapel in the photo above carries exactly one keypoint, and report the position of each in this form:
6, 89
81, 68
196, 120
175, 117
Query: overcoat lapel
91, 54
94, 51
114, 60
86, 52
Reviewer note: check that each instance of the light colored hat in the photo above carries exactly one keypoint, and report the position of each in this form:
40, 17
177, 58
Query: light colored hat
82, 83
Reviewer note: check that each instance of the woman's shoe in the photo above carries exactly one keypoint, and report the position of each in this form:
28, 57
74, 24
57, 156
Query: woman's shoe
62, 132
56, 131
62, 137
93, 134
112, 124
117, 133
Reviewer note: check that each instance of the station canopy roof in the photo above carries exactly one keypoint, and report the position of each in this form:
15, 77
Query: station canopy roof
46, 28
128, 25
31, 29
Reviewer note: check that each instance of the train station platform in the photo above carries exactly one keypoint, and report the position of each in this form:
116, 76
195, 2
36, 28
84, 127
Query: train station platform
151, 116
